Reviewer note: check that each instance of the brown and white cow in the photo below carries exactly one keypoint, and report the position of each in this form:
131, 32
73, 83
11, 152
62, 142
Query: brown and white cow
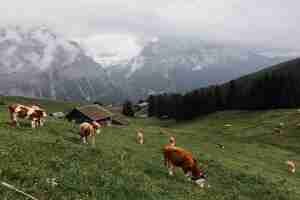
179, 157
89, 129
34, 114
291, 166
140, 136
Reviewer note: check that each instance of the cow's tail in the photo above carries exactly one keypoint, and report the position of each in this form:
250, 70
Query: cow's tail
165, 155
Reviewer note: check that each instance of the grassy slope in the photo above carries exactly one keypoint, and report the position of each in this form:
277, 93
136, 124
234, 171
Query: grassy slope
250, 167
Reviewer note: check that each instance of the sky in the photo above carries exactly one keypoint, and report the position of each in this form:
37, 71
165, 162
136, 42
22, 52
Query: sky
270, 23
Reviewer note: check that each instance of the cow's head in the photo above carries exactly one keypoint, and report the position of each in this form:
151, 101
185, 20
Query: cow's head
172, 140
41, 113
96, 126
198, 175
44, 114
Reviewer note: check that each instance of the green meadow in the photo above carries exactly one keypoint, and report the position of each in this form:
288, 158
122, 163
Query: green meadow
50, 163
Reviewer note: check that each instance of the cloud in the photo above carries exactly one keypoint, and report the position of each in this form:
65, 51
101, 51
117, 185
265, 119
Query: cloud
266, 22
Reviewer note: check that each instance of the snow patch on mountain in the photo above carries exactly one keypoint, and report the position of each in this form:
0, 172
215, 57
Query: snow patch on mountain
111, 49
197, 68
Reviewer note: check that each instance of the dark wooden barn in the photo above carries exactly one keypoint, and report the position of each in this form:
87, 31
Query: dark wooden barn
94, 112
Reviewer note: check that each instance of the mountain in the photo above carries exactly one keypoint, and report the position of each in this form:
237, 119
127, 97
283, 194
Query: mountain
179, 65
38, 62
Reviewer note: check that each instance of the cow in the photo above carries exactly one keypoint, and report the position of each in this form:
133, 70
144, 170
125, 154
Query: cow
140, 137
89, 129
179, 157
291, 166
34, 114
172, 141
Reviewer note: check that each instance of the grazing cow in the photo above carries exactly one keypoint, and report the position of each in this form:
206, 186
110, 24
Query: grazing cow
140, 137
34, 114
291, 166
178, 157
172, 141
41, 120
89, 129
221, 146
281, 125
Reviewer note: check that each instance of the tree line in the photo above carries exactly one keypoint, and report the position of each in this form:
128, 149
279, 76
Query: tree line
267, 91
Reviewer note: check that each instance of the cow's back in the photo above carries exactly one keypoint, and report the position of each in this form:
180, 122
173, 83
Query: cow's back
18, 109
177, 155
85, 129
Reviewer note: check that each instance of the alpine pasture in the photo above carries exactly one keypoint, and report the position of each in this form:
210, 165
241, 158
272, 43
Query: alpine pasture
50, 162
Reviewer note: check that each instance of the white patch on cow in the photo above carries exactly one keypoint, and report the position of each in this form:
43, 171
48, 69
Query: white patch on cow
293, 170
189, 176
30, 111
200, 182
171, 173
42, 121
18, 109
14, 116
33, 123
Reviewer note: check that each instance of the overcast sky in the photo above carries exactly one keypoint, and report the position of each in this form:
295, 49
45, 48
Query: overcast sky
273, 23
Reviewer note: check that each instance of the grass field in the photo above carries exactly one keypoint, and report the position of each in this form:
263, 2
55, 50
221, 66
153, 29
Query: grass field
251, 166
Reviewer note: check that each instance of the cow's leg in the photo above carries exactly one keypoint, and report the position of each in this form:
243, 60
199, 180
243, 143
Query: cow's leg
33, 124
41, 122
11, 116
166, 160
170, 169
14, 118
83, 138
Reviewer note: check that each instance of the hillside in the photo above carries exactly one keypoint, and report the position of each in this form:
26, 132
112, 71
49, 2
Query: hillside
251, 165
275, 87
288, 67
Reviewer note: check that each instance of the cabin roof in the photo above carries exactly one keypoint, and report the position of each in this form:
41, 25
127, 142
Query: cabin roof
95, 112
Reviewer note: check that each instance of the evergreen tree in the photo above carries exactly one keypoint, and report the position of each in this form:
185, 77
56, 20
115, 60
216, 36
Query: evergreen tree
128, 109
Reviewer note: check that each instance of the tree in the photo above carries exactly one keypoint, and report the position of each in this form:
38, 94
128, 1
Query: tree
219, 98
98, 103
231, 95
128, 109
